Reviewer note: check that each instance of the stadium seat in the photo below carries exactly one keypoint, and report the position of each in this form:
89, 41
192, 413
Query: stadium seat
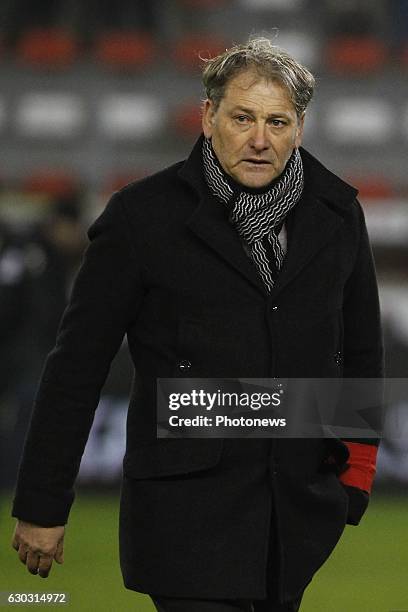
47, 48
352, 120
188, 50
353, 54
303, 46
45, 115
54, 183
125, 116
272, 5
125, 50
187, 120
120, 179
373, 187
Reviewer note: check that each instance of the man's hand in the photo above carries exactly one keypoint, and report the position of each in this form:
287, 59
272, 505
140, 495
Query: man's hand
37, 546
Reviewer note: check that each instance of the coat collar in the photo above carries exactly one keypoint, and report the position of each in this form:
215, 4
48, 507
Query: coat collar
315, 218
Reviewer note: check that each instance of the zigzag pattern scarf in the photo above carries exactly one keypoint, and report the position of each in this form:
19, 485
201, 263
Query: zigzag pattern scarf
258, 217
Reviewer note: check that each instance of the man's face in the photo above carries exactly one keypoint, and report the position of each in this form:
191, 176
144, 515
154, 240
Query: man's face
254, 129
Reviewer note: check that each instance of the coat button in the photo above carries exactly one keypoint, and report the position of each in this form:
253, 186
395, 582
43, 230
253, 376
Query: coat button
274, 307
184, 365
338, 358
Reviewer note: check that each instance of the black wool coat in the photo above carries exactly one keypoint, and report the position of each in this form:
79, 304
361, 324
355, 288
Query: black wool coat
165, 267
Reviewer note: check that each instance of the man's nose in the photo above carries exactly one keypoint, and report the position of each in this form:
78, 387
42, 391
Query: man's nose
259, 138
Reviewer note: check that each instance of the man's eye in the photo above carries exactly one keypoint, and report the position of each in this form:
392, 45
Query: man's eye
242, 118
277, 122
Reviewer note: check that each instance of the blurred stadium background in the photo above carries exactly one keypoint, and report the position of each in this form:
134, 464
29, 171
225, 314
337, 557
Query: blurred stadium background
95, 94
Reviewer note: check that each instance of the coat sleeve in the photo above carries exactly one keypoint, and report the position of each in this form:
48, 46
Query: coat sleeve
363, 358
105, 299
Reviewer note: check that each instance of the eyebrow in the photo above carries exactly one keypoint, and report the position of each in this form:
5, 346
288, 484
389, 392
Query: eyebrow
248, 111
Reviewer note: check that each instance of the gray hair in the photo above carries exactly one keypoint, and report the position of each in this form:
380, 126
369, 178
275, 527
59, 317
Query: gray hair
269, 61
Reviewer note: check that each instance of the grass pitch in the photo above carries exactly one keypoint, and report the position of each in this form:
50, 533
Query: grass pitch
368, 571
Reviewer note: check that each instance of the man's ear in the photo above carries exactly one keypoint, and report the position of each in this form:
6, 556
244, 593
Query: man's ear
208, 118
299, 130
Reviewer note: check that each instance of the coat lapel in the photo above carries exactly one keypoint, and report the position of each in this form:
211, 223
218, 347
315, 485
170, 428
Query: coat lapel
316, 217
311, 228
210, 223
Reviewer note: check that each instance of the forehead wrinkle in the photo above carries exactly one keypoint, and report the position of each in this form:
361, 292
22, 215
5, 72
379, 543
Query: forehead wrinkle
271, 114
267, 103
264, 108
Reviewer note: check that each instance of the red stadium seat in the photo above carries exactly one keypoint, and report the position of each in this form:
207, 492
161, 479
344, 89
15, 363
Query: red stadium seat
119, 180
373, 187
187, 120
52, 183
125, 50
354, 54
48, 48
189, 49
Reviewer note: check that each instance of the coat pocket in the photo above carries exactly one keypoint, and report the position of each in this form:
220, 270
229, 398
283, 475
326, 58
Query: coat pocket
161, 458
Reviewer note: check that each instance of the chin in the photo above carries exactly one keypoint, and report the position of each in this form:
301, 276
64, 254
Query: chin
256, 182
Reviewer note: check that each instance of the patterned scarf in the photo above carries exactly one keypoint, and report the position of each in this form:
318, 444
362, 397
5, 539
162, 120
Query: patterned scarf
258, 217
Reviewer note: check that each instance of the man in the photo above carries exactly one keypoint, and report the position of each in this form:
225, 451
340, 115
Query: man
251, 260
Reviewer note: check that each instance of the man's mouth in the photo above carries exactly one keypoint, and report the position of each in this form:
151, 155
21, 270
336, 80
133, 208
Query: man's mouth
256, 161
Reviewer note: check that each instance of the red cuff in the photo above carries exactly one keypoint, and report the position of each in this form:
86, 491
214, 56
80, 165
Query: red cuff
361, 466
